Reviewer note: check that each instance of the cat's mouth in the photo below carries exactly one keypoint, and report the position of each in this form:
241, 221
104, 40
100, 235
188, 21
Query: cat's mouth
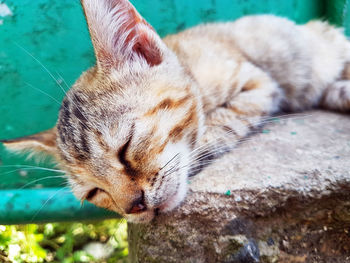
169, 204
173, 200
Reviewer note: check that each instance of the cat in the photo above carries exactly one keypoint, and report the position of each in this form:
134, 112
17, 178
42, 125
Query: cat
132, 128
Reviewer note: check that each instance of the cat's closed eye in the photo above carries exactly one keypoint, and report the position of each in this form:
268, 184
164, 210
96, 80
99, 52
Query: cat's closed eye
92, 193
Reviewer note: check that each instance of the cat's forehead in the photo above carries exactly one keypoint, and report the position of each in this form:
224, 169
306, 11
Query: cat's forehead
123, 90
121, 77
100, 112
112, 101
87, 129
105, 91
107, 113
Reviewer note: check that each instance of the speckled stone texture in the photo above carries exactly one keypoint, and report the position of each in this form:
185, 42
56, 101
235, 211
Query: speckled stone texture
281, 196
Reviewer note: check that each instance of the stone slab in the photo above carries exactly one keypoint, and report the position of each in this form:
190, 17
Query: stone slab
283, 195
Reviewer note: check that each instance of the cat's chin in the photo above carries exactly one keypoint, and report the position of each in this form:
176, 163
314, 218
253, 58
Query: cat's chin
142, 218
175, 200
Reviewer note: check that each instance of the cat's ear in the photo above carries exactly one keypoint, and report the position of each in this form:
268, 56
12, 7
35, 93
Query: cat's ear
43, 142
119, 34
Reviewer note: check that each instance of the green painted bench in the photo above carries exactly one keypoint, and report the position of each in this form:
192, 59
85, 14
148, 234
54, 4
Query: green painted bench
44, 46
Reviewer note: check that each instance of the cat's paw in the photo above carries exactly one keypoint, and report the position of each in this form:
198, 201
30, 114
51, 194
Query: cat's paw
337, 96
216, 141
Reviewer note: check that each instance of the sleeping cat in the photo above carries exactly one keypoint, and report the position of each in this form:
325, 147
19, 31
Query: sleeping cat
132, 127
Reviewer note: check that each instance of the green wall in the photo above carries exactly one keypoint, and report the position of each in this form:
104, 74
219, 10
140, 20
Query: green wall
54, 33
338, 12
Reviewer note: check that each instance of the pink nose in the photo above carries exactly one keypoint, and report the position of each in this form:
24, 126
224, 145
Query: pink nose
138, 205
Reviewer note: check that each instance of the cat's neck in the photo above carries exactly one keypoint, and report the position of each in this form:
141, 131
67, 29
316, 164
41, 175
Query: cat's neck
207, 64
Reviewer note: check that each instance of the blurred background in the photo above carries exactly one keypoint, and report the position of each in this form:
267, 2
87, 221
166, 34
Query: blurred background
44, 47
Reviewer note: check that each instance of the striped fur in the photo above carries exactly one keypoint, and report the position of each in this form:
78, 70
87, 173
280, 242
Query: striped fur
131, 128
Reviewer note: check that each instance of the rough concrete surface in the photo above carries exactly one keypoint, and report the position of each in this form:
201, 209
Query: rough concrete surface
281, 196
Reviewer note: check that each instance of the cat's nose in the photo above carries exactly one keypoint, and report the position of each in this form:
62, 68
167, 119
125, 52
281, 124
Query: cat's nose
138, 205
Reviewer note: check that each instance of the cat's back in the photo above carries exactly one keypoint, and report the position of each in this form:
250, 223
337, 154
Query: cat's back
303, 59
269, 41
207, 41
255, 37
213, 51
273, 43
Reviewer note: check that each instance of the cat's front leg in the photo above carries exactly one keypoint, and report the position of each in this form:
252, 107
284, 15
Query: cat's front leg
229, 123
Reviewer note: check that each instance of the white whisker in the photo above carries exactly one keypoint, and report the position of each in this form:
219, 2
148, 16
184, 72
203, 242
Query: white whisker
64, 81
51, 75
30, 85
42, 65
41, 179
52, 196
26, 167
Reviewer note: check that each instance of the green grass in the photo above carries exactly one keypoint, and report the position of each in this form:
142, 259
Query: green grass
63, 242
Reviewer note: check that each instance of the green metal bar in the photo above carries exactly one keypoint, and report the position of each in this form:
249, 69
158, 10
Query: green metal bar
46, 205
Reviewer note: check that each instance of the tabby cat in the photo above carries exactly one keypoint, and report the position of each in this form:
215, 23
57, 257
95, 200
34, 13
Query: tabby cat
132, 127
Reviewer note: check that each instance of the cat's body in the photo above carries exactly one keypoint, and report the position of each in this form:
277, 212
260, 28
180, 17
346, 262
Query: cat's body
302, 59
133, 126
258, 65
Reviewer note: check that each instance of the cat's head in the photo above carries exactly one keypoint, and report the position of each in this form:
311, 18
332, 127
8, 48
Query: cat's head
128, 125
